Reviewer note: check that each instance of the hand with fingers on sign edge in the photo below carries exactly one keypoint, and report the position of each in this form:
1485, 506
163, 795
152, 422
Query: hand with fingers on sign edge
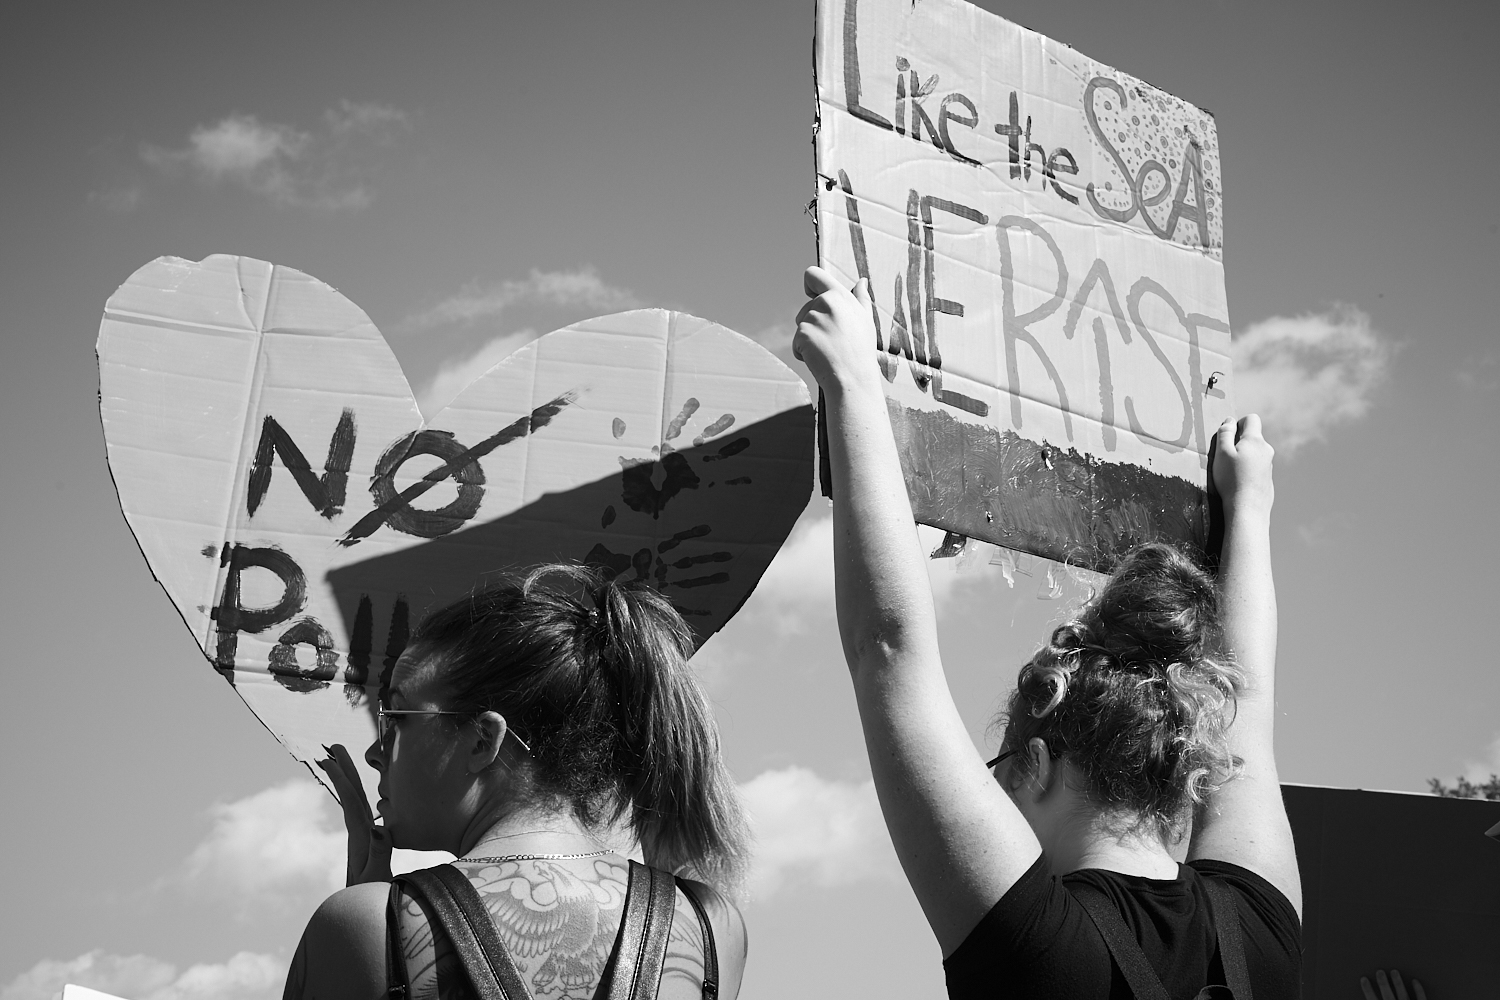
835, 335
1386, 990
369, 858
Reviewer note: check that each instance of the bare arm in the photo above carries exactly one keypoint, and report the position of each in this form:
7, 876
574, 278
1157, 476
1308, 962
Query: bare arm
342, 954
1246, 821
685, 963
960, 839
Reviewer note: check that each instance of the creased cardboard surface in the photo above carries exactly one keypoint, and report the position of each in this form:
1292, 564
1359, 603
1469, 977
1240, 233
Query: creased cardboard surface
1043, 235
301, 515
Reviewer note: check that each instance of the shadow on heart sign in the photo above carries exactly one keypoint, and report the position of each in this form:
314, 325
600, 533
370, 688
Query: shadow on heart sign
303, 517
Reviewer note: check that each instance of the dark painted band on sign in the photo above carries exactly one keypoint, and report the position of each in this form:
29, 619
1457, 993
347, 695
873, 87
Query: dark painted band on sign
999, 487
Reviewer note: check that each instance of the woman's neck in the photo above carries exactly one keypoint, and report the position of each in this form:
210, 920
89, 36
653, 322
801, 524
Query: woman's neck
1099, 844
1127, 858
532, 832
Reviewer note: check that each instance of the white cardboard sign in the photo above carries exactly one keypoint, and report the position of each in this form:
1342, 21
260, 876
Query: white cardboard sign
301, 515
1043, 235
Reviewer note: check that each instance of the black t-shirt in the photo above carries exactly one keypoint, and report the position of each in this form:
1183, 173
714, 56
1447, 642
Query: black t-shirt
1039, 943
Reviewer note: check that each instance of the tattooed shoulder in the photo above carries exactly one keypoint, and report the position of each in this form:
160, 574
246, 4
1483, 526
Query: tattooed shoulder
685, 968
557, 919
683, 971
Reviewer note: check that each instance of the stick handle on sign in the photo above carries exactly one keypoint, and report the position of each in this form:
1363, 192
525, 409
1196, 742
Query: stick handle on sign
825, 464
1214, 540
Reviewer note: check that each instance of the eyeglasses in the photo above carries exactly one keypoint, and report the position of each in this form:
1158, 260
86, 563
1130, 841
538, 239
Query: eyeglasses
384, 720
990, 766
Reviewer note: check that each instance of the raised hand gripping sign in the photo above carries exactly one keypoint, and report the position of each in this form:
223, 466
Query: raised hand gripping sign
1043, 237
302, 516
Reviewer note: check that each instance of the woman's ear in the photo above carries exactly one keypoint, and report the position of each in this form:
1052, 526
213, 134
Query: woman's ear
1045, 767
490, 737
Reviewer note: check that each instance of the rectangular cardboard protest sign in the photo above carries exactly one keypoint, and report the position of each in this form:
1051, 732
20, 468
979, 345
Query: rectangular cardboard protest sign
1395, 881
1043, 236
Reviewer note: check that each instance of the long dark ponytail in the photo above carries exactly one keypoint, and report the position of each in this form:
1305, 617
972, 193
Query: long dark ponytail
593, 675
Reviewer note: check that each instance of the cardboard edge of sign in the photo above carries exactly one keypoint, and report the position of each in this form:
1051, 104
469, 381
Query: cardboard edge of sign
795, 386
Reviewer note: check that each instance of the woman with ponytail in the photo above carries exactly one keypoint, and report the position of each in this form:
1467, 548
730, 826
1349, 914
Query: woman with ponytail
538, 730
1139, 734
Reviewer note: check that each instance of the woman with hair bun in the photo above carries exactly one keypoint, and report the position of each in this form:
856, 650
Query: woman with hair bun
536, 734
1050, 871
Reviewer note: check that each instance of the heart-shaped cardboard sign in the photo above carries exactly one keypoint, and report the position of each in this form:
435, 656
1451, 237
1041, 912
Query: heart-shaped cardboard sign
302, 516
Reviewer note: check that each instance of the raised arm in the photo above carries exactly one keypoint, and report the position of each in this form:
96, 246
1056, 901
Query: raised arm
960, 839
1246, 822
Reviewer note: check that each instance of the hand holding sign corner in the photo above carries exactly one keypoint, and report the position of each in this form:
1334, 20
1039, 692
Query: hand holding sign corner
225, 382
1386, 991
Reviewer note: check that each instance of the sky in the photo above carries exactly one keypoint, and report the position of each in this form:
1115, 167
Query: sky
473, 175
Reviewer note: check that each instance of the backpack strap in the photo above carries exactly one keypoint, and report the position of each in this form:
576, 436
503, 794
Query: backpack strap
396, 978
463, 917
710, 953
1144, 983
634, 971
645, 926
1226, 913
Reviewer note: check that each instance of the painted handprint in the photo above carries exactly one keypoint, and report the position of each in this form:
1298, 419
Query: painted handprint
649, 485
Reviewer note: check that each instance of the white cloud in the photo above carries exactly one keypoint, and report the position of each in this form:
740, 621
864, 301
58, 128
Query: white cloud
455, 376
279, 844
815, 831
353, 116
240, 144
559, 297
1324, 529
581, 287
272, 855
1480, 374
245, 976
1479, 771
1307, 374
776, 338
796, 591
279, 851
321, 169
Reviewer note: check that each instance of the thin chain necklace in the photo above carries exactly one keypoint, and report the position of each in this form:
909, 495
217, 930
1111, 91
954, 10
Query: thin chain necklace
537, 857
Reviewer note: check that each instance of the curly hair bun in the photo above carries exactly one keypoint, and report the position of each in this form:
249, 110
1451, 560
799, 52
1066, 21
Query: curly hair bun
1158, 608
1136, 691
